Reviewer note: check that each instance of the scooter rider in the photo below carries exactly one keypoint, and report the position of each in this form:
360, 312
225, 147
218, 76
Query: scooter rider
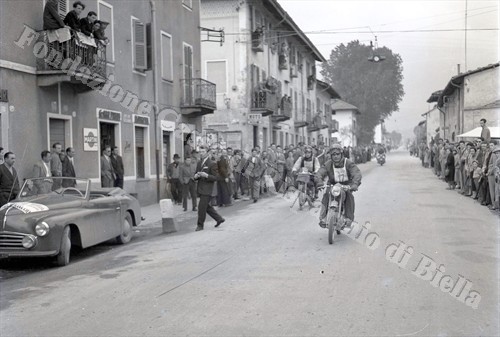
310, 162
340, 170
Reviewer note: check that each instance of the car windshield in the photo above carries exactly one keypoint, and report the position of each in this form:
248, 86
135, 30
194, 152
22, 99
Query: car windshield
55, 185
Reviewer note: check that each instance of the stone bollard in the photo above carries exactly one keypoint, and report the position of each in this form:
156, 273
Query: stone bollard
167, 216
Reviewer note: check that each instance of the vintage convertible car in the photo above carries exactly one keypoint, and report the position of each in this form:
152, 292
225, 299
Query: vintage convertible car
50, 215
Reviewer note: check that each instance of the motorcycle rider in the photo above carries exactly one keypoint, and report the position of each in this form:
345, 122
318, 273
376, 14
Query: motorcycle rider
311, 163
343, 171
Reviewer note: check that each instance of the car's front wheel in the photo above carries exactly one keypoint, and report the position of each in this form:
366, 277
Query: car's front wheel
126, 234
62, 259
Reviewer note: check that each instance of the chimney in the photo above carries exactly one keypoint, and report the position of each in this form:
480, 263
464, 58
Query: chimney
458, 69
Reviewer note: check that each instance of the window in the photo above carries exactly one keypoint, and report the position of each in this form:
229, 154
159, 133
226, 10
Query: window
188, 61
166, 57
139, 45
254, 76
188, 3
217, 73
140, 161
105, 14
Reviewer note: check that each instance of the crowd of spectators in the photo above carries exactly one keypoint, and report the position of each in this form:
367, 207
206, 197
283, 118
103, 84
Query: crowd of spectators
472, 168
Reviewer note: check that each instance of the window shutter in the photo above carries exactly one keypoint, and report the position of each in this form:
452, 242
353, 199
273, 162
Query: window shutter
140, 57
62, 7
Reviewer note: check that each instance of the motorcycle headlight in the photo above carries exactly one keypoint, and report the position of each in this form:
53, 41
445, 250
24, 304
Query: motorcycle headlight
336, 191
42, 229
29, 241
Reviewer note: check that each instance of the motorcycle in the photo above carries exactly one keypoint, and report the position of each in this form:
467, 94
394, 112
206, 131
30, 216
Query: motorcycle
381, 158
335, 217
305, 188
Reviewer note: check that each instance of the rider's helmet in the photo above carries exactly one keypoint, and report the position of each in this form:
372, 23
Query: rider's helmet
336, 152
308, 151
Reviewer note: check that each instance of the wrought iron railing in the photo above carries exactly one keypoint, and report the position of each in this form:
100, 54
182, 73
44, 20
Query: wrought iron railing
265, 99
75, 51
198, 92
286, 108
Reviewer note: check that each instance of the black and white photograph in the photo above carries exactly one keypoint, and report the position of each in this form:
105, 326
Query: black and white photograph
249, 168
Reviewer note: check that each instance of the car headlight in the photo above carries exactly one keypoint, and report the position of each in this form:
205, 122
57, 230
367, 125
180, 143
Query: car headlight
336, 191
42, 229
29, 241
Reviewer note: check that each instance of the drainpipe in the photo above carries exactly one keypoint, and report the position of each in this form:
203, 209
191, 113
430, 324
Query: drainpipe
155, 91
444, 120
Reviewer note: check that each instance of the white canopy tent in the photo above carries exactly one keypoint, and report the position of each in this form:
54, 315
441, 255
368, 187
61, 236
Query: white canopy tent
476, 133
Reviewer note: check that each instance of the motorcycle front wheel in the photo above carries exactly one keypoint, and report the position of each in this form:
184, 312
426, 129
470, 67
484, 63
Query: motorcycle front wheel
331, 220
302, 195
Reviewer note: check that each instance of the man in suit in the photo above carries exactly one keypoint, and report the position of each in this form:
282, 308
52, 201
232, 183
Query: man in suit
206, 174
41, 169
68, 168
56, 165
254, 168
117, 162
107, 173
9, 182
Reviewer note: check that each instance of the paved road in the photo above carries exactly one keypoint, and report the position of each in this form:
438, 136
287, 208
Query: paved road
270, 271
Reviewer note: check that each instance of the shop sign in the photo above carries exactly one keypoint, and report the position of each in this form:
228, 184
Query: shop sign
167, 126
254, 118
90, 140
108, 115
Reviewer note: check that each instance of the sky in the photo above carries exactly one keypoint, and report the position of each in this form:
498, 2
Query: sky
430, 58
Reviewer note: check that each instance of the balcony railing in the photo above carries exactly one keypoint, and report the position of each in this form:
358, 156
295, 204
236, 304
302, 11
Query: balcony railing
301, 121
334, 126
285, 111
318, 123
77, 49
264, 101
198, 96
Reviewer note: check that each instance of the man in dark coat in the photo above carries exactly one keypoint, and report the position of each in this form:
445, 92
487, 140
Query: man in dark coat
68, 168
87, 24
206, 174
51, 18
72, 19
343, 171
9, 181
117, 163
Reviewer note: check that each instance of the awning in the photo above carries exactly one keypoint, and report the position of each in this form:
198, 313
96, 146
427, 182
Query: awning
476, 133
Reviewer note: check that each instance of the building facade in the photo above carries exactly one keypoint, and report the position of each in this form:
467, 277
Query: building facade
345, 114
265, 77
109, 95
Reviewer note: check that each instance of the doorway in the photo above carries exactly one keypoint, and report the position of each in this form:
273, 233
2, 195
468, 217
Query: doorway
255, 135
107, 134
166, 151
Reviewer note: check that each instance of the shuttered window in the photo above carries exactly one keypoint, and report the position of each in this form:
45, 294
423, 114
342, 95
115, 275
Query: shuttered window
139, 152
188, 62
106, 14
216, 73
62, 7
57, 132
166, 57
140, 48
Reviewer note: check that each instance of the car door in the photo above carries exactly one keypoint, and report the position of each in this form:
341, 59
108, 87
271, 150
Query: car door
106, 217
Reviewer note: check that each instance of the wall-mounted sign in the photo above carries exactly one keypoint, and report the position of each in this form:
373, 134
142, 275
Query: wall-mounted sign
90, 140
127, 118
254, 118
109, 115
167, 126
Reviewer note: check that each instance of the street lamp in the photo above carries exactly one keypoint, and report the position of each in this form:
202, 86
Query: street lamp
375, 58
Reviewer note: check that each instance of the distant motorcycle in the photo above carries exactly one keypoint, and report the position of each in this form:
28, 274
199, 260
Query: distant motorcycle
335, 217
381, 158
305, 188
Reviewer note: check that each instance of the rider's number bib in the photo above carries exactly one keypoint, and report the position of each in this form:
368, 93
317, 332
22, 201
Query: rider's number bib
340, 174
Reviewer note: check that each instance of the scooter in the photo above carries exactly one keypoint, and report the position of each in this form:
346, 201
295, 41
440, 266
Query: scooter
381, 158
335, 217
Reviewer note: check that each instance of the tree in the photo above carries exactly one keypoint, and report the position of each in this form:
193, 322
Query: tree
375, 88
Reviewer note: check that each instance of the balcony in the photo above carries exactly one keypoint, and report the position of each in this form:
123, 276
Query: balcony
79, 61
285, 111
264, 102
302, 120
198, 97
258, 40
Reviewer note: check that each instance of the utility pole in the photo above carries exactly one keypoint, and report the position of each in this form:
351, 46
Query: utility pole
155, 86
465, 66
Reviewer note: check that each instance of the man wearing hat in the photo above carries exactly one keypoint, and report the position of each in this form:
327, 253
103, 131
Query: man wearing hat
173, 176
